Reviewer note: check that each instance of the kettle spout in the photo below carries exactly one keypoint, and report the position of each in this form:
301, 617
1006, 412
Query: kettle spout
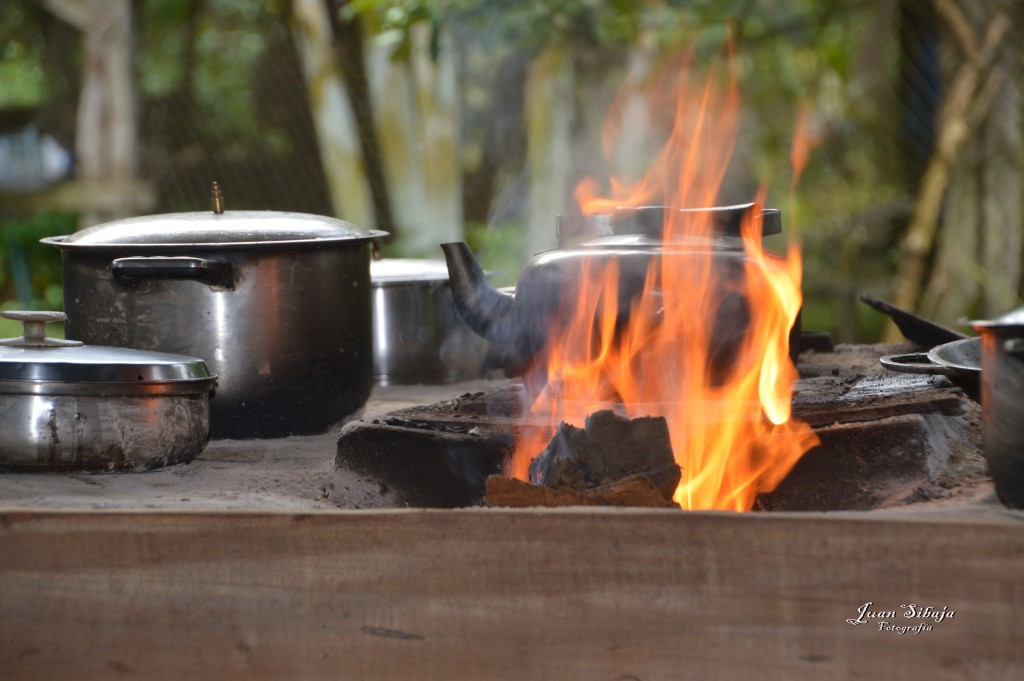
486, 310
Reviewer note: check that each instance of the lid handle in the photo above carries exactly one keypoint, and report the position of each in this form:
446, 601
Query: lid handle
216, 198
34, 335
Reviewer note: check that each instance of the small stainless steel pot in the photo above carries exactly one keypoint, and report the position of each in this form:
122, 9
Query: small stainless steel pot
418, 337
68, 406
277, 304
1002, 390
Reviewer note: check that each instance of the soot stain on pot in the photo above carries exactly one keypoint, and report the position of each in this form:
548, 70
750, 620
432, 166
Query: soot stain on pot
80, 423
54, 442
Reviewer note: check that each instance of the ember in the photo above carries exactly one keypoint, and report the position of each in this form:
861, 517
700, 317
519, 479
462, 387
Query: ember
726, 397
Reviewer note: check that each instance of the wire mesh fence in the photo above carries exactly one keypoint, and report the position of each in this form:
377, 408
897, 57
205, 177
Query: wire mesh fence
228, 104
222, 96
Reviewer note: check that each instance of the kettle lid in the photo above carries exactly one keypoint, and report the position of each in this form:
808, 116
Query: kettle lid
649, 221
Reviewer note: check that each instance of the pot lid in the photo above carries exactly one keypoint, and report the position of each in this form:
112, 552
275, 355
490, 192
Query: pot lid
649, 221
403, 270
230, 229
682, 244
37, 364
1011, 319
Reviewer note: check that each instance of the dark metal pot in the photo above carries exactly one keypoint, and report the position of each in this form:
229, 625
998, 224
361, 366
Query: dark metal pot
68, 406
1002, 390
418, 337
549, 285
278, 304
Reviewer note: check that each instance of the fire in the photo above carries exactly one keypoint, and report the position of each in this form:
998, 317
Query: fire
727, 402
804, 139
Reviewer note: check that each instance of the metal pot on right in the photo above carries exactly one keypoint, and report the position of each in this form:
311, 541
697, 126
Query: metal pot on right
418, 337
1002, 398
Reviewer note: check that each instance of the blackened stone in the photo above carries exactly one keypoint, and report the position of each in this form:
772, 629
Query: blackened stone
426, 466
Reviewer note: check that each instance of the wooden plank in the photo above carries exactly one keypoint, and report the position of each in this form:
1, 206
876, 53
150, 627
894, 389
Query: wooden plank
825, 400
496, 594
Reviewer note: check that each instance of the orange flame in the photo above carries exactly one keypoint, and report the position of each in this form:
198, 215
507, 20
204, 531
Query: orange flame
729, 420
804, 139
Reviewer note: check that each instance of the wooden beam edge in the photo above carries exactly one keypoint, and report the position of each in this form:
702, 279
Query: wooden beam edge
990, 516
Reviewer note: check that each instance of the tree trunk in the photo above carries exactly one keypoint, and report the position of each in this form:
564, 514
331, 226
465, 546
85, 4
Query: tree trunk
1002, 178
333, 116
106, 138
978, 265
549, 113
351, 58
966, 105
417, 116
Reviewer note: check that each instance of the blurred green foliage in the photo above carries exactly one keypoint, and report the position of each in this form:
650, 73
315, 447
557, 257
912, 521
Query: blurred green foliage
30, 276
222, 75
22, 77
498, 250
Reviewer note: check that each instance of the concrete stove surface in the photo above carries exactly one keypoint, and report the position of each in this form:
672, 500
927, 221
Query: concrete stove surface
294, 473
299, 474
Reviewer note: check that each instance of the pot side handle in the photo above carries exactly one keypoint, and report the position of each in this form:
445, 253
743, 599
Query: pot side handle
131, 270
915, 363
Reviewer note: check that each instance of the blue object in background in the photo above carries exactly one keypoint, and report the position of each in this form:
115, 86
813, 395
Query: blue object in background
30, 161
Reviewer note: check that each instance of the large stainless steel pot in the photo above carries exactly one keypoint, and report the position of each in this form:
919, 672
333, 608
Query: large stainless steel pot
69, 406
278, 304
418, 337
1002, 390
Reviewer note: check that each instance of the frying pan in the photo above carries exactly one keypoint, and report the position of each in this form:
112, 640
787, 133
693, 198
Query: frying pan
919, 330
960, 360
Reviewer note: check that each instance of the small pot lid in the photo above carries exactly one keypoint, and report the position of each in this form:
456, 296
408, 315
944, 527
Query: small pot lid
1012, 319
37, 364
228, 230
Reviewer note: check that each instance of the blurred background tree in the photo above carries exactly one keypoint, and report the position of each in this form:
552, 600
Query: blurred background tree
441, 119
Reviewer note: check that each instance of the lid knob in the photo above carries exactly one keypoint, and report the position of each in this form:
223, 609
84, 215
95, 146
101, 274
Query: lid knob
216, 198
35, 330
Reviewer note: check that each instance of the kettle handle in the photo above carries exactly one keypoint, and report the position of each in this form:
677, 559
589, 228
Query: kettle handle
218, 275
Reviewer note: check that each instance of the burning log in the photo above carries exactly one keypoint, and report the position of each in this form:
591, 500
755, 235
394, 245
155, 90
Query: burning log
635, 490
612, 460
607, 448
